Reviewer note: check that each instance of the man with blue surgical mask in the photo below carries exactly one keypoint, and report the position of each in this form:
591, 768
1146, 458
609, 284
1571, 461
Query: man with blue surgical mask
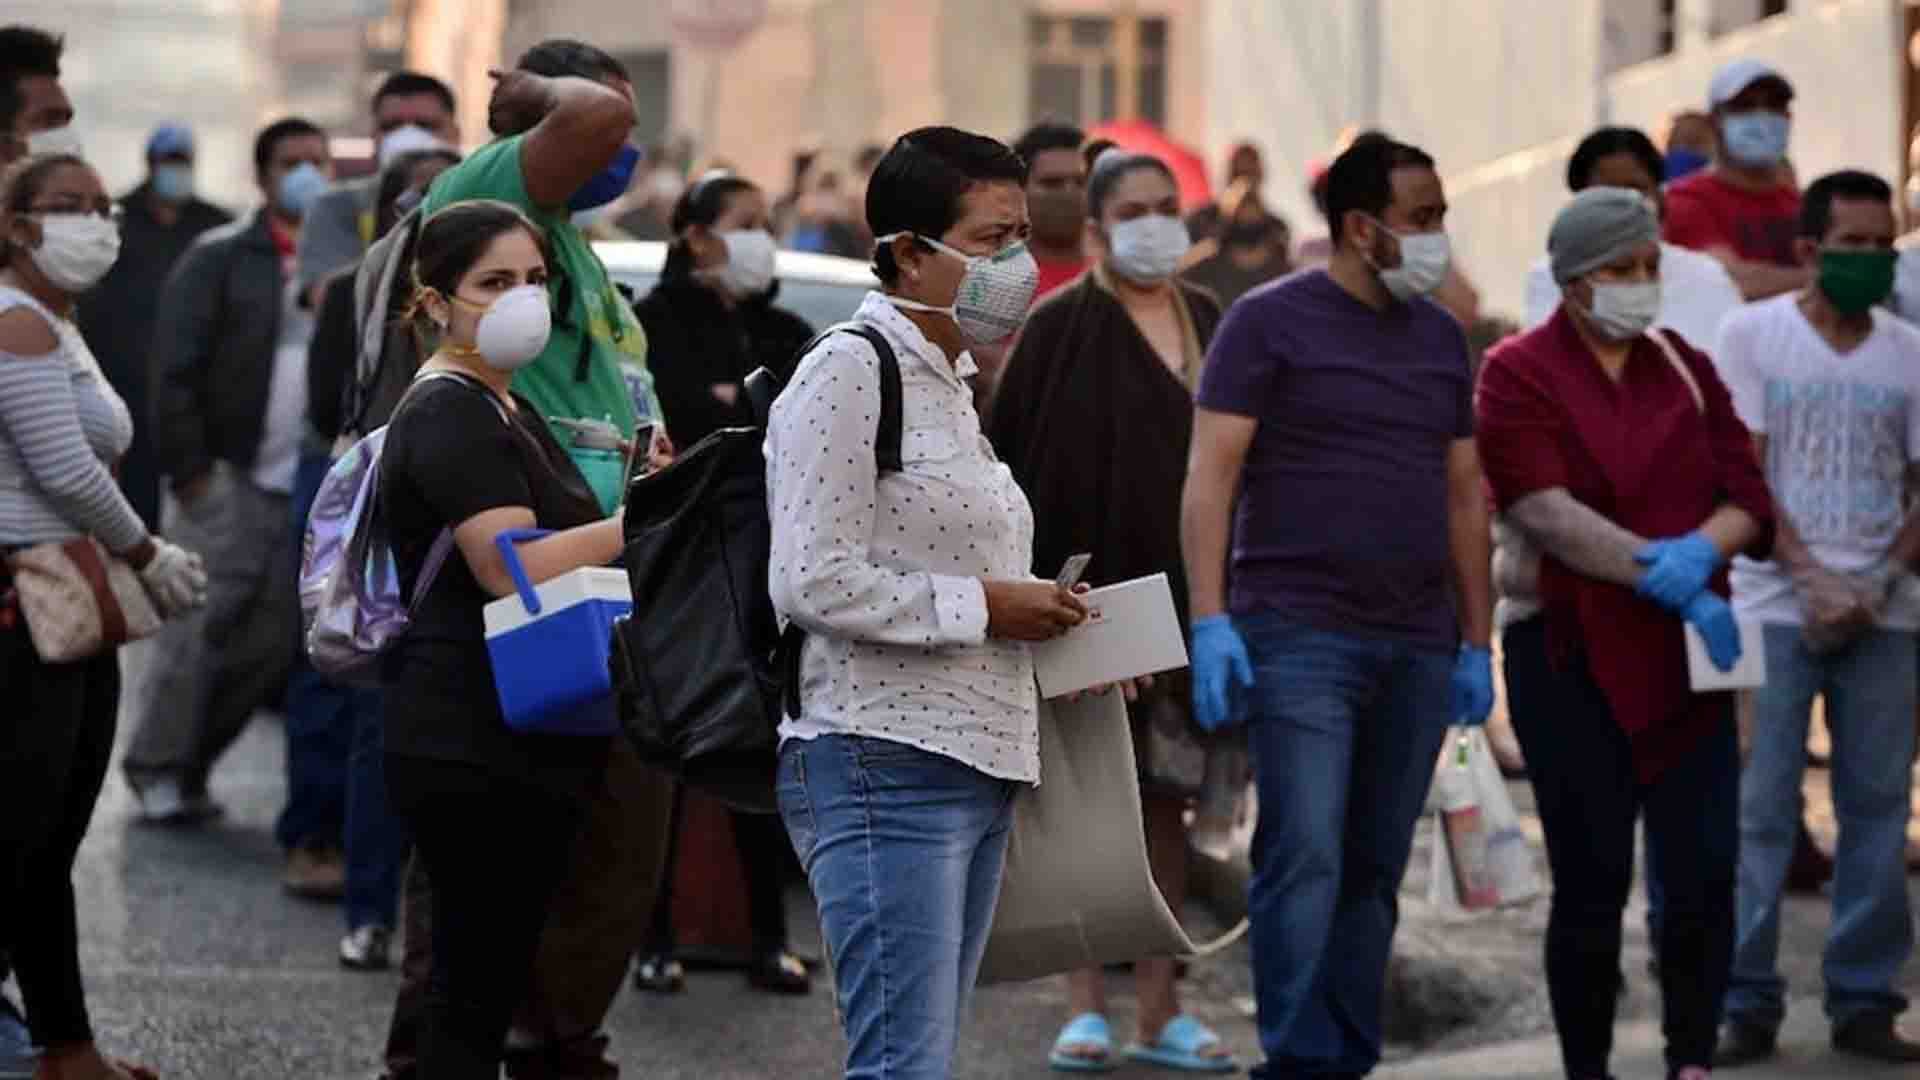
1745, 209
161, 218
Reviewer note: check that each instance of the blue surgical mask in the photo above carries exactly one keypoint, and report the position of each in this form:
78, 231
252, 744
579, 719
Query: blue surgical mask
1756, 139
299, 188
1682, 163
173, 181
610, 184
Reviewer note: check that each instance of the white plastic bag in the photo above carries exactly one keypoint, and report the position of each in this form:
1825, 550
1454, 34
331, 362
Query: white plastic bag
1481, 858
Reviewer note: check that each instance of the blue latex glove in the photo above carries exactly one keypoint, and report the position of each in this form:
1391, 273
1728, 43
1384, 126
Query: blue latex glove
1472, 685
1677, 569
1220, 663
1714, 619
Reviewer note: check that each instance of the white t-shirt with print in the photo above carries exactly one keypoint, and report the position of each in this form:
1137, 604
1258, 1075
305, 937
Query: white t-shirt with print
1841, 431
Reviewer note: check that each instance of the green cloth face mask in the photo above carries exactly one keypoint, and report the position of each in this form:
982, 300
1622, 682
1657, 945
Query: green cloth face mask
1856, 280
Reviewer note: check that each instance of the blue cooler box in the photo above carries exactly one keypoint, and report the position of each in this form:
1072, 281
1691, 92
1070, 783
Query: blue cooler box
550, 646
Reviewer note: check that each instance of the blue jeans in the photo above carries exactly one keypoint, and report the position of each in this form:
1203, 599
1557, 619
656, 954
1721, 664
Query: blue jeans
319, 717
903, 849
377, 840
336, 789
1344, 731
1870, 689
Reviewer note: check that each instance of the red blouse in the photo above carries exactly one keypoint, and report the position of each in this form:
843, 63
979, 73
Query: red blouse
1644, 454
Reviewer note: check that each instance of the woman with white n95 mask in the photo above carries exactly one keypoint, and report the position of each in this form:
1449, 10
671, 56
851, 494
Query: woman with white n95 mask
465, 454
710, 322
1094, 415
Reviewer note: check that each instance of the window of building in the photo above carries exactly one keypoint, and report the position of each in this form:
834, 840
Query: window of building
652, 85
1090, 69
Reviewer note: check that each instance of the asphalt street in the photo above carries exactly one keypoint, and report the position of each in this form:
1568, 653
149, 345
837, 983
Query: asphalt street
198, 965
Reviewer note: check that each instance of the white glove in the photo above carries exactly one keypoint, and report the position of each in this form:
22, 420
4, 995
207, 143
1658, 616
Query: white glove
175, 578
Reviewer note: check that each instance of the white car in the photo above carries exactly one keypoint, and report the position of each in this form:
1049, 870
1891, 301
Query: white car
822, 289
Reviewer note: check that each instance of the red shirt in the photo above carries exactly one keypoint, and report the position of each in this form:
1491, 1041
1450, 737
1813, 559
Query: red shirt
285, 240
1706, 212
1055, 273
1643, 454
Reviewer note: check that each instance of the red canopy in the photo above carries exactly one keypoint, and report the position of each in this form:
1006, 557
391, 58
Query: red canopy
1189, 168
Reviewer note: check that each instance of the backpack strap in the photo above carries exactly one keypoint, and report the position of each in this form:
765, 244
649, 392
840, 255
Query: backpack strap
764, 385
443, 543
890, 434
888, 438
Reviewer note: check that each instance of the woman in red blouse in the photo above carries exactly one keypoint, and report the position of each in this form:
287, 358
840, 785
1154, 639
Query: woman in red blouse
1617, 452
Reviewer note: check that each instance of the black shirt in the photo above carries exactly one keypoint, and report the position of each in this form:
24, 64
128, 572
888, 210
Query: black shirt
448, 457
696, 343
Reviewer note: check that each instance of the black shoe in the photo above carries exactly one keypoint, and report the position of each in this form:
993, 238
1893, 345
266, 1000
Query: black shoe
780, 972
1872, 1035
660, 973
1745, 1044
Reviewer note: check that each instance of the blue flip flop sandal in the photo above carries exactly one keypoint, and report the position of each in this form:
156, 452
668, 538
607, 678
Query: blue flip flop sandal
1087, 1029
1179, 1047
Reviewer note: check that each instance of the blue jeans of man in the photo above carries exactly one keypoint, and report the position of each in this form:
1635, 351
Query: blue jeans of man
336, 784
903, 849
1344, 730
1870, 690
319, 718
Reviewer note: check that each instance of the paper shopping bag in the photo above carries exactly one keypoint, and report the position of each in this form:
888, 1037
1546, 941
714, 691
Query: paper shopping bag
1077, 891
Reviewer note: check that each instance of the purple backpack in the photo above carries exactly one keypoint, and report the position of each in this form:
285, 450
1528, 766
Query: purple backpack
349, 584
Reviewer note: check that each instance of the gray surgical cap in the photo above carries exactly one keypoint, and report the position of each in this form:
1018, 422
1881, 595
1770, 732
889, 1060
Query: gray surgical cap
1600, 225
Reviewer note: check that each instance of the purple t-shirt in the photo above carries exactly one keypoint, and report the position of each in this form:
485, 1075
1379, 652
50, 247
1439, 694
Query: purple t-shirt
1342, 517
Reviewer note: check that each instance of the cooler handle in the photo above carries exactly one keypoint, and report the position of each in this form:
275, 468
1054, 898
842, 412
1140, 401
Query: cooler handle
521, 583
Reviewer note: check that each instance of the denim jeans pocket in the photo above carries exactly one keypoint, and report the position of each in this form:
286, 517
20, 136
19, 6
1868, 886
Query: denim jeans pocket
796, 808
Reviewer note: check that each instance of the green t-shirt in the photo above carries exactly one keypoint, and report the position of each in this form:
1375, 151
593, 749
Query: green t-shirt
617, 385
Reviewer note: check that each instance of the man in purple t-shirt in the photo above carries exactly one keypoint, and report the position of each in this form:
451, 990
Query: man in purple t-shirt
1336, 407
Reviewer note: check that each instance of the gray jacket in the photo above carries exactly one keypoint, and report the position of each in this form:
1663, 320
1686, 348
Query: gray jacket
214, 342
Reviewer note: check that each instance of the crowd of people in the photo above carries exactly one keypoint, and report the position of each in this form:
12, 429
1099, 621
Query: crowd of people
1711, 426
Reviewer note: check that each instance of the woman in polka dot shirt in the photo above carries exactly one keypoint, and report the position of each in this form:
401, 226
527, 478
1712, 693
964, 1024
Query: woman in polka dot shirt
919, 711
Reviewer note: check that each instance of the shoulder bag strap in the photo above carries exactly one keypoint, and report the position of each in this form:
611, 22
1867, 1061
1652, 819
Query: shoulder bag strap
1680, 367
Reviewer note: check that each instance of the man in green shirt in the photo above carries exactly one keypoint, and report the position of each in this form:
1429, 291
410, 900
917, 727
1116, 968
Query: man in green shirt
562, 117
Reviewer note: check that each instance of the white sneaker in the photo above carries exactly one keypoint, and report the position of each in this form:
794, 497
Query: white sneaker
162, 800
366, 948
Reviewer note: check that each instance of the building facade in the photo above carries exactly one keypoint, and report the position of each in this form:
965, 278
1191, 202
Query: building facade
837, 75
1500, 92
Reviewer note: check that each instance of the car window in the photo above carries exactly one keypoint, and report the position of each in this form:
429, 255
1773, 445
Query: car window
821, 303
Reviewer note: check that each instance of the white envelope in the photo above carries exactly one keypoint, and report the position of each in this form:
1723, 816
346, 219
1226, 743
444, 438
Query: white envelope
1750, 673
1133, 631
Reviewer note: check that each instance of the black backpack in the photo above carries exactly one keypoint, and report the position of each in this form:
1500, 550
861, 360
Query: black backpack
702, 670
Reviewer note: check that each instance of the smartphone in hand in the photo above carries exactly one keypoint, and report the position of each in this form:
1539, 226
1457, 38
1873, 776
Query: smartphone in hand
1074, 569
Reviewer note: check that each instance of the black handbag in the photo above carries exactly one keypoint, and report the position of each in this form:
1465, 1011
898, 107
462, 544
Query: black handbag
701, 669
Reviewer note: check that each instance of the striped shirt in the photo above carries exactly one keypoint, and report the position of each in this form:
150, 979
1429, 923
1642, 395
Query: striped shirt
60, 426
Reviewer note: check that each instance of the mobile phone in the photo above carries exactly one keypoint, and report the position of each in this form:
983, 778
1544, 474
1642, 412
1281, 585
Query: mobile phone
1075, 568
640, 453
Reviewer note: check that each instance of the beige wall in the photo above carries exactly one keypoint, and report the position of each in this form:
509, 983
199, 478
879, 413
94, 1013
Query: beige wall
841, 73
1500, 91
